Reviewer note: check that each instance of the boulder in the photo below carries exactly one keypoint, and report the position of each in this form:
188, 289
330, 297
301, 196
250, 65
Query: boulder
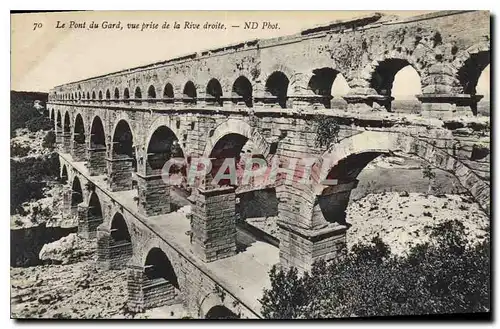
62, 251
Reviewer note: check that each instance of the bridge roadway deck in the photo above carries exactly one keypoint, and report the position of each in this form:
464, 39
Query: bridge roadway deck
244, 275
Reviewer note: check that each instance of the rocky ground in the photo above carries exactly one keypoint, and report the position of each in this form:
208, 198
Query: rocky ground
402, 219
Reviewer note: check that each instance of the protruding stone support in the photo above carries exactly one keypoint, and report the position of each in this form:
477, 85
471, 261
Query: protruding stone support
213, 223
444, 106
300, 248
87, 224
145, 292
318, 232
365, 103
154, 195
119, 172
111, 254
96, 161
66, 142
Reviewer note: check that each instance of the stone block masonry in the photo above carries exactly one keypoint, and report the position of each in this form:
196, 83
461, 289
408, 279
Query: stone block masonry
96, 161
214, 223
87, 224
119, 174
111, 254
154, 195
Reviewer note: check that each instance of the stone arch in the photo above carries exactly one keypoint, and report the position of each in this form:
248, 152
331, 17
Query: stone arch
87, 226
52, 115
97, 147
213, 93
213, 307
117, 93
108, 94
168, 93
97, 133
470, 65
126, 94
76, 194
100, 95
137, 93
123, 162
242, 90
64, 174
234, 126
88, 95
382, 74
67, 123
93, 94
189, 93
322, 82
162, 145
123, 139
276, 86
58, 121
79, 136
345, 160
154, 283
151, 92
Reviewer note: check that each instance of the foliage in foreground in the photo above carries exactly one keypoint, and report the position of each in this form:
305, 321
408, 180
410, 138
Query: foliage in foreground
444, 276
28, 178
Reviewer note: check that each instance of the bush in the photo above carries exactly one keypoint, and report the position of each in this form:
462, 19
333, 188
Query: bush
444, 276
29, 177
49, 140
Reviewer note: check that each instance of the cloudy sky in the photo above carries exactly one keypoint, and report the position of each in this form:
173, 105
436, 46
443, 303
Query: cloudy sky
48, 56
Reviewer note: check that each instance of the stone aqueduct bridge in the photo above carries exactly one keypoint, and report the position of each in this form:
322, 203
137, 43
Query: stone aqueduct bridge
269, 97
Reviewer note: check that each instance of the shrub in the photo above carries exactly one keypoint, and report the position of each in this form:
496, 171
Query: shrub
49, 140
443, 276
29, 177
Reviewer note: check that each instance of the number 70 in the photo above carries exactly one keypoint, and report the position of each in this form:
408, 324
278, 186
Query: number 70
37, 26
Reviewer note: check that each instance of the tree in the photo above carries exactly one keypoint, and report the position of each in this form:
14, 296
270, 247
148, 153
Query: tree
428, 173
442, 276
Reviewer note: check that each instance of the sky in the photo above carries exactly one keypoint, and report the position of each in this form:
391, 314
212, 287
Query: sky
47, 56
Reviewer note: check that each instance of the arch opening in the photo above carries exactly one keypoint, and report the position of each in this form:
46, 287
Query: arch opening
220, 312
64, 175
67, 125
93, 95
94, 211
329, 84
79, 131
126, 95
163, 145
76, 195
117, 93
138, 93
242, 91
59, 120
168, 93
123, 145
151, 92
277, 86
189, 93
214, 93
100, 94
108, 94
398, 77
159, 268
119, 230
483, 88
97, 137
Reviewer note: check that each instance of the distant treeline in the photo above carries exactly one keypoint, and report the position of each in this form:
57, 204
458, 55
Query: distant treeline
23, 114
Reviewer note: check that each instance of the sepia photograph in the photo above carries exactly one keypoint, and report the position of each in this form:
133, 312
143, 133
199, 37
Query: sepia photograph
250, 165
